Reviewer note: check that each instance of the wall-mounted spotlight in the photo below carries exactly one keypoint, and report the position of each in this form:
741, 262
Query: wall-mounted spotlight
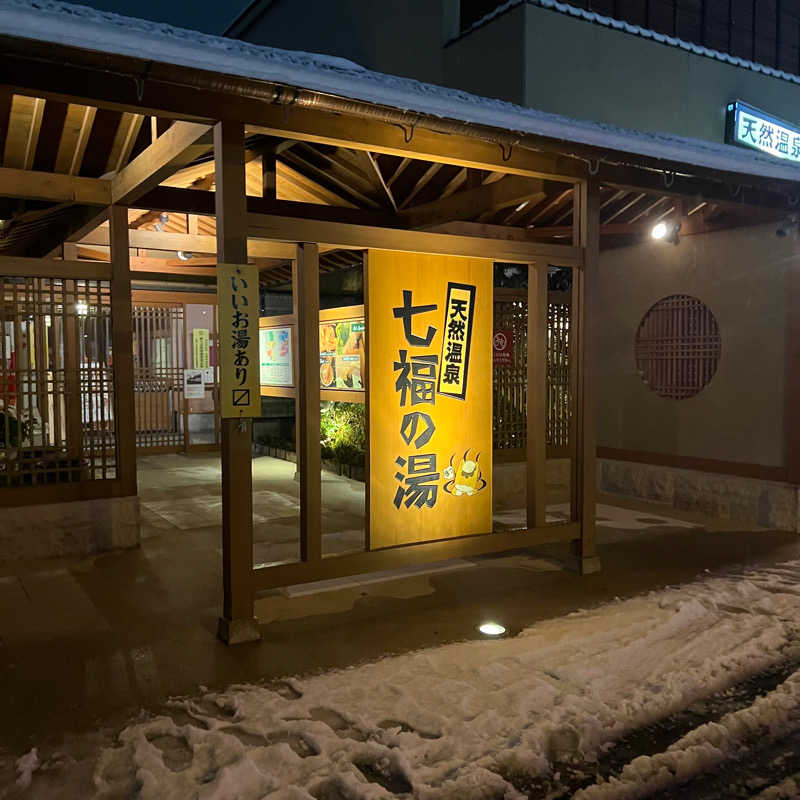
666, 231
185, 255
788, 225
163, 219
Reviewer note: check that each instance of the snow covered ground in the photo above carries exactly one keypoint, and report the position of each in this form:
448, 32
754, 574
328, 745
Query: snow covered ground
491, 719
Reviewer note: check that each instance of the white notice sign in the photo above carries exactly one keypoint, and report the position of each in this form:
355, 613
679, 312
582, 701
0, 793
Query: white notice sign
193, 386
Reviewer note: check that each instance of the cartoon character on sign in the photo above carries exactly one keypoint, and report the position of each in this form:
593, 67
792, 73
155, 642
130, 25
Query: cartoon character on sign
466, 479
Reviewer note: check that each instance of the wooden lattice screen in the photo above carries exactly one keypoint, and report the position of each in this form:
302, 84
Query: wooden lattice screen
510, 382
56, 382
558, 418
159, 335
678, 347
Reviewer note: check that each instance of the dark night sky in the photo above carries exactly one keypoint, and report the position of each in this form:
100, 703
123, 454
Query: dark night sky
201, 15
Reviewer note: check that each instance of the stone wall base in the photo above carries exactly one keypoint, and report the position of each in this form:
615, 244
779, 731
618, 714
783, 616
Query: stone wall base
510, 480
748, 501
79, 528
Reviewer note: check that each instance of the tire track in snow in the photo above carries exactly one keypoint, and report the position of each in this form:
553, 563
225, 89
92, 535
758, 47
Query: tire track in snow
568, 776
740, 742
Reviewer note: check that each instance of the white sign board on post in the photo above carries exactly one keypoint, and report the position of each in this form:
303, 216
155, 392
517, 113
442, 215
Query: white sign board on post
193, 385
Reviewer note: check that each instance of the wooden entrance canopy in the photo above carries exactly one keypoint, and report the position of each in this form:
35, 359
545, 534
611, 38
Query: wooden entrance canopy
110, 160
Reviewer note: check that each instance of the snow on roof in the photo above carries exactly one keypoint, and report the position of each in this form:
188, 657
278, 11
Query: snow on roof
87, 28
636, 30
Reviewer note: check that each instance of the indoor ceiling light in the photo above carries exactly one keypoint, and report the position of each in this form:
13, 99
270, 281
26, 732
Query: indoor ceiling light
492, 629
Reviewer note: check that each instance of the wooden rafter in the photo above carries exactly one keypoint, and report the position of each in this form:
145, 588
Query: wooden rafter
327, 177
625, 207
384, 185
455, 183
25, 122
471, 202
648, 209
546, 206
426, 177
124, 141
74, 138
295, 185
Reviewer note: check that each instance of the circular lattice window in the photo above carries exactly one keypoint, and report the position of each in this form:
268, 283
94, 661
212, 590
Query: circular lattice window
678, 346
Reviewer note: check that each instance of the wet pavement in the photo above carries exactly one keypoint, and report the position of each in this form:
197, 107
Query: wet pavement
85, 643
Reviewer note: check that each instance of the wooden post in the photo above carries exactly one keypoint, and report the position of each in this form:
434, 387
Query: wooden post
269, 174
536, 454
584, 293
122, 348
238, 623
306, 285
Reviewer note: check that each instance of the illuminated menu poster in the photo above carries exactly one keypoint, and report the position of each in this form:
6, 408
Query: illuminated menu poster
275, 348
341, 355
430, 385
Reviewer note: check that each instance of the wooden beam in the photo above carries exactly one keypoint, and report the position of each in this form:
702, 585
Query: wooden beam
269, 176
163, 267
402, 557
306, 283
193, 243
467, 204
237, 623
54, 187
16, 266
427, 145
485, 230
192, 201
536, 414
174, 149
85, 75
338, 235
122, 347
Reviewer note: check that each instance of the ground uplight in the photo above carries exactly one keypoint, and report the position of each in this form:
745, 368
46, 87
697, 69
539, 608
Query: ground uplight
491, 629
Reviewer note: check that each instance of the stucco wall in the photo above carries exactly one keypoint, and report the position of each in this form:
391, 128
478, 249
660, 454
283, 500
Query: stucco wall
402, 38
532, 56
584, 70
490, 61
741, 276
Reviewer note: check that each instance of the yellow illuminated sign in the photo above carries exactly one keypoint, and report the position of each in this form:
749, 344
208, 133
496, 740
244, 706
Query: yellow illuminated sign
237, 294
430, 394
